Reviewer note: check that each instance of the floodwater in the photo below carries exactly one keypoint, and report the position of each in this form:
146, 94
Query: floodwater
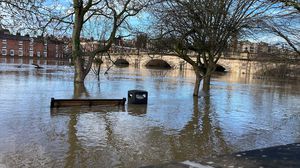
239, 113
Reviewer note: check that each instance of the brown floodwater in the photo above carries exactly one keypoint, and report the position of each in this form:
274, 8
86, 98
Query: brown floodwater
239, 113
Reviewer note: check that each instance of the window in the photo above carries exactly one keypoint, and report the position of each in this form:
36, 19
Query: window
20, 45
31, 41
45, 54
56, 50
38, 54
4, 43
31, 53
4, 52
20, 53
11, 52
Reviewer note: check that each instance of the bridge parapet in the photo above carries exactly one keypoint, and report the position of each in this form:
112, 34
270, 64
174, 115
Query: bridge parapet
231, 65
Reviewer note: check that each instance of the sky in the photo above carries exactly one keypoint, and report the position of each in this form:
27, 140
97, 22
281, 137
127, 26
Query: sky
140, 23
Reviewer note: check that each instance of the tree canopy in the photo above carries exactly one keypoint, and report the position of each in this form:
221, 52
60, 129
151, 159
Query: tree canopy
206, 28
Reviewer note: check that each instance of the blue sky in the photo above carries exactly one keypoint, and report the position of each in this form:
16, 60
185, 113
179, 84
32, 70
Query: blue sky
141, 23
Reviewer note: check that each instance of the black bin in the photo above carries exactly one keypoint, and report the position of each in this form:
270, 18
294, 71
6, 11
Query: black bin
137, 97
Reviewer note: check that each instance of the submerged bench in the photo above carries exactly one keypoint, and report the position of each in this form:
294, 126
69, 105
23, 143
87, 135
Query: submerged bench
55, 103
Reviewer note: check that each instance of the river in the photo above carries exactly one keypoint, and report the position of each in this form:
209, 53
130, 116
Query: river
239, 113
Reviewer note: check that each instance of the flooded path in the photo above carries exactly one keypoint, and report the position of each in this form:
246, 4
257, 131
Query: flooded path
239, 114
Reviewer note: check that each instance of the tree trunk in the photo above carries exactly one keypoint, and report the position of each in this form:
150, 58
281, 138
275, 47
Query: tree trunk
79, 70
76, 51
206, 78
206, 83
98, 71
198, 80
80, 91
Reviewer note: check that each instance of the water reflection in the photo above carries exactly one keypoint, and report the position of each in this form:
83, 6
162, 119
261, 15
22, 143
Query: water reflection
199, 137
137, 109
202, 133
30, 61
74, 145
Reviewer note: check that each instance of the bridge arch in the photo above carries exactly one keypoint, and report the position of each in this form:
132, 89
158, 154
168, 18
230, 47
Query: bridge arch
158, 63
225, 64
121, 62
220, 68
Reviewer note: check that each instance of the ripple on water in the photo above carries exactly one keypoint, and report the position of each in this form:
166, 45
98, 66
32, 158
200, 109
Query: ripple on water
236, 115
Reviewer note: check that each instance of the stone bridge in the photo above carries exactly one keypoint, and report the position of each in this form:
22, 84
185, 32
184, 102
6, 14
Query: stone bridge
236, 65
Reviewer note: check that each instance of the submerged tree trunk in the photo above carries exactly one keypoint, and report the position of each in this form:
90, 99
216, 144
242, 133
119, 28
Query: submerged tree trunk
207, 71
80, 91
207, 76
206, 83
79, 70
98, 72
198, 80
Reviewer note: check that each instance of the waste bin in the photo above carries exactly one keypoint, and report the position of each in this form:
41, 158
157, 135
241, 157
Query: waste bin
137, 97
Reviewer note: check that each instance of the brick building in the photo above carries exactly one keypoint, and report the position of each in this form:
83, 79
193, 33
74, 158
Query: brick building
30, 47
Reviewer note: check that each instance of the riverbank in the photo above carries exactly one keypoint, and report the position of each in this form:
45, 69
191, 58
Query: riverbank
275, 157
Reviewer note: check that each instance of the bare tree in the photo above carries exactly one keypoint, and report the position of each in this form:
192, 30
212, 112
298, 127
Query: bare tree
31, 17
96, 69
74, 17
202, 29
16, 13
141, 42
291, 3
284, 22
117, 11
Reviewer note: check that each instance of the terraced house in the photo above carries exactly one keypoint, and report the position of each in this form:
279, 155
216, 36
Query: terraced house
30, 47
